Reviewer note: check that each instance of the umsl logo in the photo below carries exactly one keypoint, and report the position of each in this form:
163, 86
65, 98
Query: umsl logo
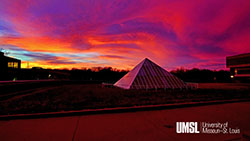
187, 127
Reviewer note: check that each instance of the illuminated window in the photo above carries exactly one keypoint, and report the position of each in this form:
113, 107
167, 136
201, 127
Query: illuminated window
15, 65
12, 64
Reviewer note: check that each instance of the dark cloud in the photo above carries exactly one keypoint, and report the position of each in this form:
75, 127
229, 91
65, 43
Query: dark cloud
61, 62
113, 56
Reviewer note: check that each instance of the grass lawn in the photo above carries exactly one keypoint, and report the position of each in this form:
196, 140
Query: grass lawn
90, 96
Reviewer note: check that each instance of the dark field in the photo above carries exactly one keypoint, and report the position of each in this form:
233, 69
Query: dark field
64, 96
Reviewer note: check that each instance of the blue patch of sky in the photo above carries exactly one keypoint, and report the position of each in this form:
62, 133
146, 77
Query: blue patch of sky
6, 29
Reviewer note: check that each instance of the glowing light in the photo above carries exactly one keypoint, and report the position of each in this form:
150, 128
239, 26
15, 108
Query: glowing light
235, 71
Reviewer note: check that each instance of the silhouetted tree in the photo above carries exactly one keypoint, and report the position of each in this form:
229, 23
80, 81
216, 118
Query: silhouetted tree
202, 75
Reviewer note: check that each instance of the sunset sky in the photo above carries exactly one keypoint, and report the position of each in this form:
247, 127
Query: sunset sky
120, 33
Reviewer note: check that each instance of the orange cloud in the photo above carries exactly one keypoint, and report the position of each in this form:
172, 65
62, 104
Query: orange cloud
39, 44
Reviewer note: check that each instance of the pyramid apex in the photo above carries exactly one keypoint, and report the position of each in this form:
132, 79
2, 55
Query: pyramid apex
147, 60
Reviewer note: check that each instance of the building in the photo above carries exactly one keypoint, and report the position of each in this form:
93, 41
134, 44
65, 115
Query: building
8, 62
239, 67
148, 75
9, 67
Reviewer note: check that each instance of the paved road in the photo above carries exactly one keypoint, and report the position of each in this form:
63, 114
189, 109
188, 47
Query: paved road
146, 125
